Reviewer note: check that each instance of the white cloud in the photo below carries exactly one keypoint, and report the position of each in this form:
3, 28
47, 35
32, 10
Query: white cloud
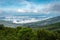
29, 21
21, 10
29, 7
26, 21
34, 8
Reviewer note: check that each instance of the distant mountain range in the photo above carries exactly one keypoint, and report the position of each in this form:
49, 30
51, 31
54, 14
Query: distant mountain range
44, 22
54, 27
33, 24
9, 24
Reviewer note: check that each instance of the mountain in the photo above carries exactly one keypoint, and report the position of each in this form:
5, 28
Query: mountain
9, 24
55, 26
33, 24
44, 22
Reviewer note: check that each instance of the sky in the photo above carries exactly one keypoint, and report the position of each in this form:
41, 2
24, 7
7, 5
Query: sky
30, 6
43, 8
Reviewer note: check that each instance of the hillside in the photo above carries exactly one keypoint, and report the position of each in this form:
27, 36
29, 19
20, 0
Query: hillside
33, 24
55, 26
9, 24
44, 22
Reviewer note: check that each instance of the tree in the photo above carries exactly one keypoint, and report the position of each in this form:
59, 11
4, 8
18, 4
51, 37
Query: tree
1, 26
26, 34
43, 34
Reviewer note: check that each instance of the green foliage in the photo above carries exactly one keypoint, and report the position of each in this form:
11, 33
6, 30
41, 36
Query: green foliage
26, 34
21, 33
43, 34
55, 26
1, 26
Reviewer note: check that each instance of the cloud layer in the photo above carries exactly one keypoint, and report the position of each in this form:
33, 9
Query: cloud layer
30, 6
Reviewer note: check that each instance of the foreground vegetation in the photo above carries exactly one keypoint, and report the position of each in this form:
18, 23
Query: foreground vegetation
21, 33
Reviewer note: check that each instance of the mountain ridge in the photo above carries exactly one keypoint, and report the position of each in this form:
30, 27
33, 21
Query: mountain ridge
33, 24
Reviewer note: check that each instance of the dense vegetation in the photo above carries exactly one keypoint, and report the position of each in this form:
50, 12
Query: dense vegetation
27, 33
53, 27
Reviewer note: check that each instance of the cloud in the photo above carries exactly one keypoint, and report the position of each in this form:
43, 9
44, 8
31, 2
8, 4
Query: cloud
26, 6
30, 7
56, 8
1, 11
21, 10
28, 21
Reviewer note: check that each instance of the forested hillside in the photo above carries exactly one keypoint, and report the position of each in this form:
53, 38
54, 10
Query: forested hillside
27, 33
44, 22
54, 27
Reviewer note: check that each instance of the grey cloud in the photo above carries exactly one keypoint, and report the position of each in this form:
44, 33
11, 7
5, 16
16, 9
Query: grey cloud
56, 7
53, 8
